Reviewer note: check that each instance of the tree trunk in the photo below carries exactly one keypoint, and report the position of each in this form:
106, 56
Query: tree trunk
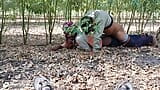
45, 26
125, 19
70, 11
51, 24
23, 22
27, 30
87, 6
139, 21
131, 20
45, 23
119, 17
150, 14
110, 5
142, 23
2, 26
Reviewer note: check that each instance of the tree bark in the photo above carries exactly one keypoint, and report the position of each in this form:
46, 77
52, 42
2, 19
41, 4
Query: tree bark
131, 20
23, 22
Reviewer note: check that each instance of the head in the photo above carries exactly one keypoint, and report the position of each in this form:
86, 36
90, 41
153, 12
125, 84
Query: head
67, 24
70, 34
70, 29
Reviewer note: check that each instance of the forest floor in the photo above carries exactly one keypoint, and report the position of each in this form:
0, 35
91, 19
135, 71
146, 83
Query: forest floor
73, 69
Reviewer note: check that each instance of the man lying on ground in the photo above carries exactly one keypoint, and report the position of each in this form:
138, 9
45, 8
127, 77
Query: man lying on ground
107, 40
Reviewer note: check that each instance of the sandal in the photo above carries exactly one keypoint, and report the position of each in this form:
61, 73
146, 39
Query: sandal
42, 83
124, 86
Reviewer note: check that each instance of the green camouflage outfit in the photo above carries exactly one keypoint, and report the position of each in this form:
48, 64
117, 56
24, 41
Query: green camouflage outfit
102, 20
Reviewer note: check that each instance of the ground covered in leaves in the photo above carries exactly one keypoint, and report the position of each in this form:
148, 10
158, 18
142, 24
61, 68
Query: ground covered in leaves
74, 69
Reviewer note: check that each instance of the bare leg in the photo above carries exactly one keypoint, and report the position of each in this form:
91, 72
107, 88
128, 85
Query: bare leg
117, 31
106, 41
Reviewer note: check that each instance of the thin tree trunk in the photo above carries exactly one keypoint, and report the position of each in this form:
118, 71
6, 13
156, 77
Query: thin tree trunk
87, 6
2, 26
119, 17
139, 21
147, 20
153, 20
95, 4
131, 20
27, 30
110, 4
45, 26
45, 23
142, 23
70, 11
126, 15
23, 22
51, 24
135, 23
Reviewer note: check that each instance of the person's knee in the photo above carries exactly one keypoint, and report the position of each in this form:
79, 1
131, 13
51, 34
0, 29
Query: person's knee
79, 39
82, 43
106, 41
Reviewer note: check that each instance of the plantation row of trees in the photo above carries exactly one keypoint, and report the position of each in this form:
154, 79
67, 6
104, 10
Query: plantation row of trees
141, 10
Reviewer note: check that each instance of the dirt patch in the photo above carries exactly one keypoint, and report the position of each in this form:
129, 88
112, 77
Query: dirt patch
75, 69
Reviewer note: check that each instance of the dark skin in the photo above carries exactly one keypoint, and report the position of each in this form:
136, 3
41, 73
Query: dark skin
69, 43
116, 30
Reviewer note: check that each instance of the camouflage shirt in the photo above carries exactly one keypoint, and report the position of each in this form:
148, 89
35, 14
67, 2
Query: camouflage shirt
103, 20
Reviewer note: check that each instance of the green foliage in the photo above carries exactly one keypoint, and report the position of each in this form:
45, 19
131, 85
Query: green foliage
68, 6
35, 6
9, 5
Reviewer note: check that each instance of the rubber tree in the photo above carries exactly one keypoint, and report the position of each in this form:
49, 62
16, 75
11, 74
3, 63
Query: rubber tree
87, 4
77, 6
39, 7
23, 22
145, 12
22, 8
68, 9
95, 4
133, 4
47, 8
152, 9
109, 2
2, 20
117, 7
27, 6
51, 15
141, 11
44, 17
6, 6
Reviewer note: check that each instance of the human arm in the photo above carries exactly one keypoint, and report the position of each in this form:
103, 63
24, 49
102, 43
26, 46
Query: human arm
97, 44
69, 43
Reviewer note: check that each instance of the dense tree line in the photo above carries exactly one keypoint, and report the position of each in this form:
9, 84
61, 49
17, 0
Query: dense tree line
142, 10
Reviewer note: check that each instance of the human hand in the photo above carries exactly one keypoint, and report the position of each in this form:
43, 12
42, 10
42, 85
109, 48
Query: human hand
56, 48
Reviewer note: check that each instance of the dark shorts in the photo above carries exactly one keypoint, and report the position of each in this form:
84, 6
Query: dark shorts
109, 24
135, 41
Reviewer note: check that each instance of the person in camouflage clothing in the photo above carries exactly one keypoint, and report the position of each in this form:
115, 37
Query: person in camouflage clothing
105, 25
71, 32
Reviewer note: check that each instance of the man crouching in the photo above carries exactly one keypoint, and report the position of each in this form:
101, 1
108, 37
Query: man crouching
70, 32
